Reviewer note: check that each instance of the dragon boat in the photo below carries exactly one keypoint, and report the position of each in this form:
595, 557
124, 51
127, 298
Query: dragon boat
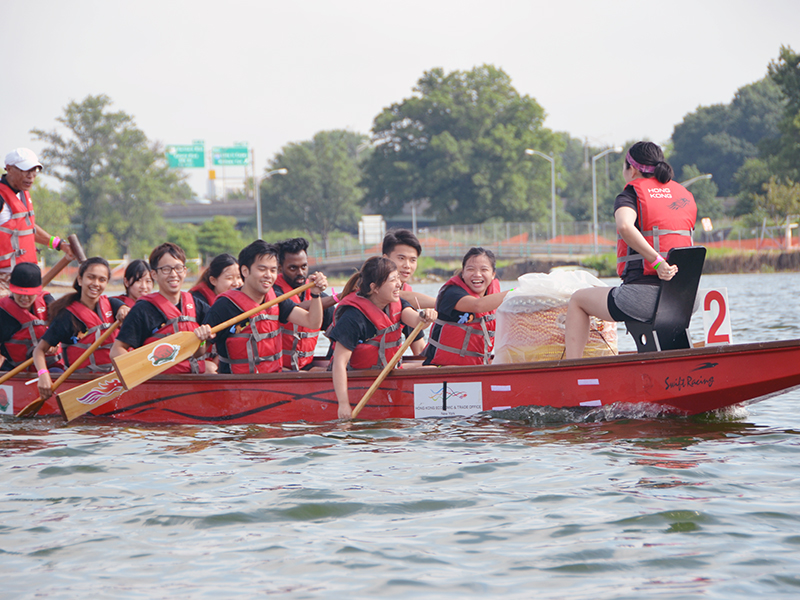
682, 382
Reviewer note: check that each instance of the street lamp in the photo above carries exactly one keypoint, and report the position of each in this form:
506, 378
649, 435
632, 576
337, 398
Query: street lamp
689, 182
267, 175
616, 149
552, 161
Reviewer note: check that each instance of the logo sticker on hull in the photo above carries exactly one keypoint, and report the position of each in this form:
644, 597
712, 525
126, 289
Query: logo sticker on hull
447, 399
6, 400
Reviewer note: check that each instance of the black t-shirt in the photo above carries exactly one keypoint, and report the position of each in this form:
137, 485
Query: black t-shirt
144, 320
635, 272
353, 327
446, 302
10, 326
225, 309
65, 328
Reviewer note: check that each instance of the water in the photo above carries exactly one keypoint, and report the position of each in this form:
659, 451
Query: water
549, 506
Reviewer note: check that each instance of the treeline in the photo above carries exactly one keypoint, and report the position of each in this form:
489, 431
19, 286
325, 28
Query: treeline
454, 149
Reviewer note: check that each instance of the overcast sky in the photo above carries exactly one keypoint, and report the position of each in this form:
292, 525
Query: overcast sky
270, 73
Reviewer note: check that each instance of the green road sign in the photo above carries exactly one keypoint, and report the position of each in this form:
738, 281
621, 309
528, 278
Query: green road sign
187, 156
234, 156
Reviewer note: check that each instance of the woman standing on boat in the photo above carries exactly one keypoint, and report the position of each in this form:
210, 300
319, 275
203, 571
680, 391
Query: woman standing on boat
77, 320
368, 324
466, 305
220, 276
650, 203
137, 282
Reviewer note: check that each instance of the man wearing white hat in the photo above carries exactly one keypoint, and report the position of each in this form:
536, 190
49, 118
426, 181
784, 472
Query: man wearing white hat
18, 229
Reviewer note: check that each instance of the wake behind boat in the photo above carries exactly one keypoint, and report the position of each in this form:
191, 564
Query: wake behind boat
680, 382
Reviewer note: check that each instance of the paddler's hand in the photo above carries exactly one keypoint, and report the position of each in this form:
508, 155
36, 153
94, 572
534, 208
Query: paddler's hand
52, 351
45, 386
320, 283
666, 271
122, 312
345, 411
203, 333
66, 249
428, 315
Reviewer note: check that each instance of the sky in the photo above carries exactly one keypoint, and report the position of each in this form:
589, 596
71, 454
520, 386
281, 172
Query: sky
270, 73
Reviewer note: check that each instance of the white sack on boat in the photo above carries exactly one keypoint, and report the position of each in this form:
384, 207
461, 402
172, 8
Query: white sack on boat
531, 319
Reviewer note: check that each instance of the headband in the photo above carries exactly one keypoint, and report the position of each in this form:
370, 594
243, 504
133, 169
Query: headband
638, 166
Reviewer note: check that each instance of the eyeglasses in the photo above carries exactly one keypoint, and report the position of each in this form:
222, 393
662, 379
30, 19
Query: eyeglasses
166, 270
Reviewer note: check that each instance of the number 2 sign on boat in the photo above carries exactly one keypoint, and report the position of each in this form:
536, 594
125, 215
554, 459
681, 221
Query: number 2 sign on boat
716, 316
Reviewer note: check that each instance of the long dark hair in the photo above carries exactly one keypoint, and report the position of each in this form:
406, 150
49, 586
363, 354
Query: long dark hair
63, 302
650, 154
215, 269
134, 272
374, 270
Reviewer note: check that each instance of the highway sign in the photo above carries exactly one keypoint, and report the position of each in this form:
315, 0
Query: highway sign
188, 156
232, 156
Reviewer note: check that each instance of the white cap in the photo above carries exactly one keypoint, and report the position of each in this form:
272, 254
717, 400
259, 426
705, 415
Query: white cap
23, 159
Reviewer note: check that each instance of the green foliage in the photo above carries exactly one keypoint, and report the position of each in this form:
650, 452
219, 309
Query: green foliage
751, 178
53, 214
102, 243
704, 192
186, 237
604, 264
459, 143
219, 235
718, 139
320, 192
785, 72
781, 199
115, 176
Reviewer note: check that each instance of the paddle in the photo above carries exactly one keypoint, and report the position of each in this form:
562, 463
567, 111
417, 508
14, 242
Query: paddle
77, 250
18, 369
34, 406
388, 368
83, 398
141, 364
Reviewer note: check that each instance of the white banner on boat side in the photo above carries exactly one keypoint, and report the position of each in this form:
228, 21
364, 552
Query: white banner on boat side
716, 316
6, 400
447, 399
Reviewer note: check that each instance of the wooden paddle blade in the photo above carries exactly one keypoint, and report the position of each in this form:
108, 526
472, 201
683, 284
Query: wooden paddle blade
83, 398
141, 364
31, 409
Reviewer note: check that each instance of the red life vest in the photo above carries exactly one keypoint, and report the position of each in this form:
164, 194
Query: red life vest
298, 342
254, 350
375, 353
32, 327
17, 244
206, 292
406, 288
666, 214
99, 361
468, 343
129, 302
174, 321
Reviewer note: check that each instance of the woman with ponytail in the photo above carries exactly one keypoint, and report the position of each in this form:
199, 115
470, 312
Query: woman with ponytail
137, 280
368, 323
220, 276
653, 215
77, 320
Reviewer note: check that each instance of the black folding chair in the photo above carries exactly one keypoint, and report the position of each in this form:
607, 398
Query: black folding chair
669, 329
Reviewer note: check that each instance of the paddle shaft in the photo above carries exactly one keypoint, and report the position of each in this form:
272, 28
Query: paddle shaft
134, 368
18, 369
77, 250
34, 406
388, 368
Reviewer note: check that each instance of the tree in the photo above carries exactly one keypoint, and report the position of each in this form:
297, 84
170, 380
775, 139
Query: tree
113, 174
219, 235
185, 236
781, 199
53, 213
459, 143
718, 139
320, 192
704, 192
785, 72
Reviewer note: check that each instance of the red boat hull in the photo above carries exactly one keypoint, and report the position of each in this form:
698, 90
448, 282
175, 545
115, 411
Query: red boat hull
682, 381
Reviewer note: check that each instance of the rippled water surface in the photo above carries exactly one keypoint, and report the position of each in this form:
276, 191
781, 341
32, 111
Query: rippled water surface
553, 504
